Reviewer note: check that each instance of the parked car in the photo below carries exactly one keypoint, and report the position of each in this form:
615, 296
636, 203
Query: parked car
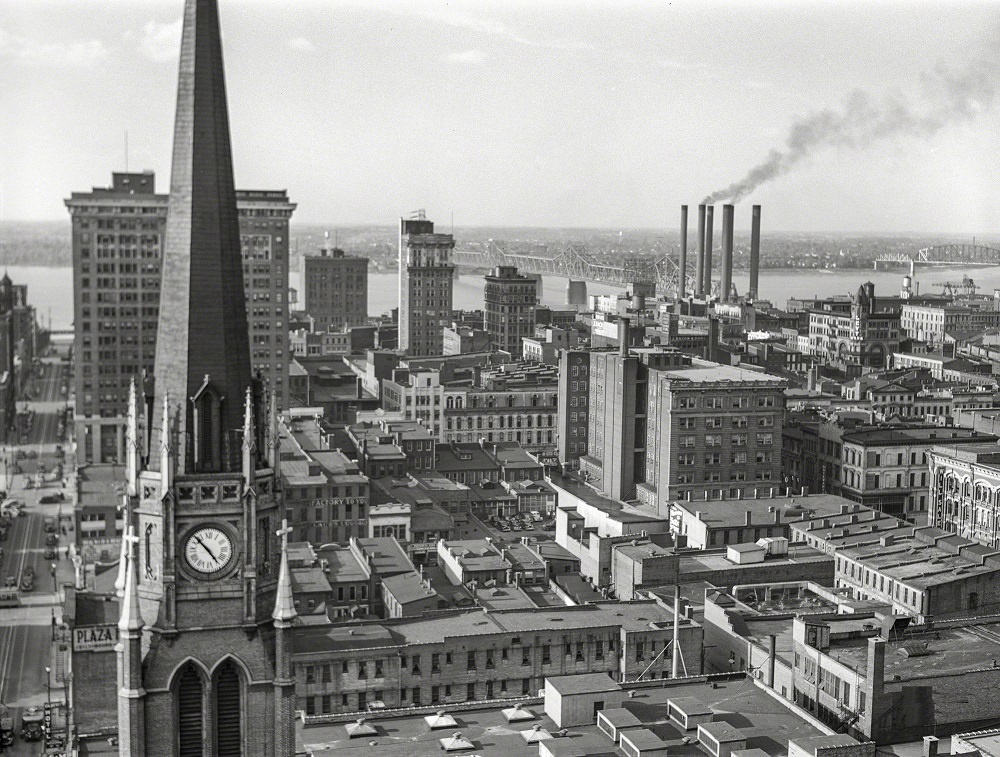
10, 581
50, 525
51, 540
28, 583
50, 553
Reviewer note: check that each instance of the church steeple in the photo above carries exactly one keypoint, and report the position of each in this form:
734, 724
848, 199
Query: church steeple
202, 348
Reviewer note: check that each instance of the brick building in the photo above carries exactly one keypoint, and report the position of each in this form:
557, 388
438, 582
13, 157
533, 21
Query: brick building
472, 656
336, 289
509, 301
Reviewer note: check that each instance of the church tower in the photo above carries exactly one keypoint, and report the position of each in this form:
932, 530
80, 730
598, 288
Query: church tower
205, 507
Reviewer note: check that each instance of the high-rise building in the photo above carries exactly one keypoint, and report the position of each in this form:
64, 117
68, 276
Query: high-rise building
336, 289
204, 663
264, 217
426, 275
117, 239
509, 300
574, 396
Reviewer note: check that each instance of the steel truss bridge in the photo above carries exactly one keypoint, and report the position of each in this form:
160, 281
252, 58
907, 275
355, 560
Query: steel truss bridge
573, 262
942, 255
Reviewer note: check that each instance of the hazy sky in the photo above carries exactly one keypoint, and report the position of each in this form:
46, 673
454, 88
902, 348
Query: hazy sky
864, 116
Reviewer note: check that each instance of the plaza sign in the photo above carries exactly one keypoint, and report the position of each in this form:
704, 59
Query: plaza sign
95, 638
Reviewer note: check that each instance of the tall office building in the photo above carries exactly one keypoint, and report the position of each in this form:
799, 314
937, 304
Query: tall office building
336, 289
117, 238
573, 416
425, 286
264, 217
509, 300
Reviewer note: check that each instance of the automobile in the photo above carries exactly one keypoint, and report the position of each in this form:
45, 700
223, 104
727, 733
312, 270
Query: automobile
28, 583
50, 525
550, 526
51, 540
32, 454
536, 516
10, 581
21, 454
505, 528
29, 571
3, 533
51, 499
50, 553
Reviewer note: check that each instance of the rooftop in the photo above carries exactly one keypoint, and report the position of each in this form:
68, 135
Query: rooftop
766, 722
634, 616
705, 372
620, 511
723, 513
408, 587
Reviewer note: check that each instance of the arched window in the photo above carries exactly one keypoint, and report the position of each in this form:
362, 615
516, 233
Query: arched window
228, 741
189, 712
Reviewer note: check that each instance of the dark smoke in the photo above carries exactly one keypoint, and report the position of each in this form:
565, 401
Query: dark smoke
949, 96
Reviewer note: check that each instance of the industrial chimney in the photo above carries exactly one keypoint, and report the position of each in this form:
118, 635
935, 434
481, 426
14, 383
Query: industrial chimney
699, 274
709, 216
624, 334
726, 284
754, 251
682, 261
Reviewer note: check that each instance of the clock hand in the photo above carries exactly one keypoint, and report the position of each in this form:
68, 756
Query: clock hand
205, 547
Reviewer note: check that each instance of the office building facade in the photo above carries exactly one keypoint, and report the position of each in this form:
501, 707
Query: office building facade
509, 300
426, 274
336, 289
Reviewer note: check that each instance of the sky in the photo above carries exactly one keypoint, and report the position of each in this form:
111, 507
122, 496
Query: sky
834, 115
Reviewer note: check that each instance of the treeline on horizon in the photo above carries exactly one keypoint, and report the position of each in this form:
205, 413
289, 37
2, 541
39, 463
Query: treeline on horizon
48, 243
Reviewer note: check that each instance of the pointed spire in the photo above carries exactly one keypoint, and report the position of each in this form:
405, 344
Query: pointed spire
166, 448
284, 602
203, 321
131, 617
122, 566
132, 442
249, 440
249, 430
273, 435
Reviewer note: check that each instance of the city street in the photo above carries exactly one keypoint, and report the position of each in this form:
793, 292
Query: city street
29, 472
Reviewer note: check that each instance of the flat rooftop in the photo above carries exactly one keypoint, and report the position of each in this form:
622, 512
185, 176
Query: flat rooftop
767, 723
916, 563
632, 616
620, 511
701, 561
705, 372
726, 513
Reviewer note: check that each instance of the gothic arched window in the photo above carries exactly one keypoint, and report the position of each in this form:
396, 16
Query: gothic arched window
228, 720
189, 712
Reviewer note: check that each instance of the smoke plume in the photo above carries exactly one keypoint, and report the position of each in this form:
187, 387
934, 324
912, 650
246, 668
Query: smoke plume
949, 96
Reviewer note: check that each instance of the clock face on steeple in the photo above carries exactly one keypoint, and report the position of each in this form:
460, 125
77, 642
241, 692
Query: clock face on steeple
208, 551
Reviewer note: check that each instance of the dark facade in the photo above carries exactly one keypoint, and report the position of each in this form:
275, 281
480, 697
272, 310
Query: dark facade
336, 289
509, 300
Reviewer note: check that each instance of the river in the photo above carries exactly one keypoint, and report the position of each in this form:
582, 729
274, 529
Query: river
50, 290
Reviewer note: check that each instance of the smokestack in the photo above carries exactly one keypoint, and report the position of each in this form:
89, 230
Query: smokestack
699, 274
623, 336
707, 276
726, 284
682, 262
754, 251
